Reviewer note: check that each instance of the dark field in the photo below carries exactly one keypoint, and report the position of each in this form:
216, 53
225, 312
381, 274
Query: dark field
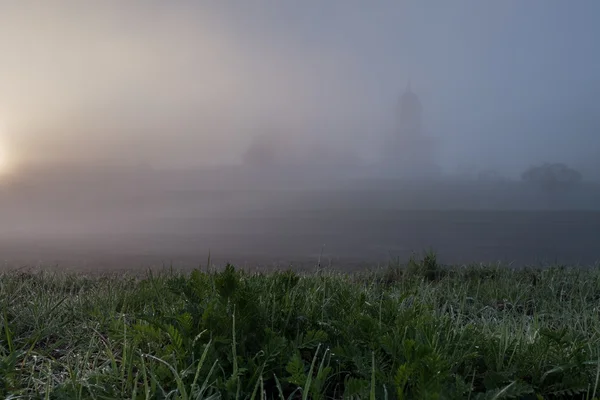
345, 239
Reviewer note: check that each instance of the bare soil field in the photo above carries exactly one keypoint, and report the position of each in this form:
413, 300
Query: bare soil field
345, 239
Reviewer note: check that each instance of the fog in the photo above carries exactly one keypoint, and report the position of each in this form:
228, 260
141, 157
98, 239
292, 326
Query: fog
206, 120
509, 84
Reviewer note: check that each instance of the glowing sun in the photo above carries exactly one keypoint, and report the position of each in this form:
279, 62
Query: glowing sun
5, 164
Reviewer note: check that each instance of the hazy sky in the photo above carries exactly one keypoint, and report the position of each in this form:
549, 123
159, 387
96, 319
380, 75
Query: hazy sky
506, 83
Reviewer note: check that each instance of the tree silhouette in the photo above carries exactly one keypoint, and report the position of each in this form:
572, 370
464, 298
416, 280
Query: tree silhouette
261, 152
552, 177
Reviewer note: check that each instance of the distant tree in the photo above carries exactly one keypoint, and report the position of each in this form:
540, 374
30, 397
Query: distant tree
323, 154
490, 175
467, 171
552, 177
261, 152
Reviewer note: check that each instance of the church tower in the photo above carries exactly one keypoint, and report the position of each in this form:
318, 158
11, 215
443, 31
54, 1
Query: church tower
409, 152
410, 114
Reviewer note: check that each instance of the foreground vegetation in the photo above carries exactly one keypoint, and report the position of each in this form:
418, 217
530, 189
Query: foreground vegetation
417, 331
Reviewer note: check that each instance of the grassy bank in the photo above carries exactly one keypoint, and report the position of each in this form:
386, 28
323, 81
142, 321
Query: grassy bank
413, 332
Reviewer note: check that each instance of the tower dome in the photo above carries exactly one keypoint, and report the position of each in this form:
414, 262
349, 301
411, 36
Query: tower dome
410, 113
409, 99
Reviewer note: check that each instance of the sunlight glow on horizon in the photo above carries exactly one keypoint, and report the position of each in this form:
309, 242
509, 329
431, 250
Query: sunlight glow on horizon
6, 165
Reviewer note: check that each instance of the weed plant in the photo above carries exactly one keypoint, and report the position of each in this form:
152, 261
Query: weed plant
406, 332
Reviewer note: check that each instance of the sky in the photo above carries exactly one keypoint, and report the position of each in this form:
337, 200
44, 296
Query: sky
503, 84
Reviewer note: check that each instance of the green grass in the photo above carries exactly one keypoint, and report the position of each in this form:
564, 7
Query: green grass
413, 332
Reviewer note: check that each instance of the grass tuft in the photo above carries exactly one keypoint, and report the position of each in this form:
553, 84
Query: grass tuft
418, 331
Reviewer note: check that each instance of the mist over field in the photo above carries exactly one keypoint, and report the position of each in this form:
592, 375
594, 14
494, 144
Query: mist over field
144, 132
